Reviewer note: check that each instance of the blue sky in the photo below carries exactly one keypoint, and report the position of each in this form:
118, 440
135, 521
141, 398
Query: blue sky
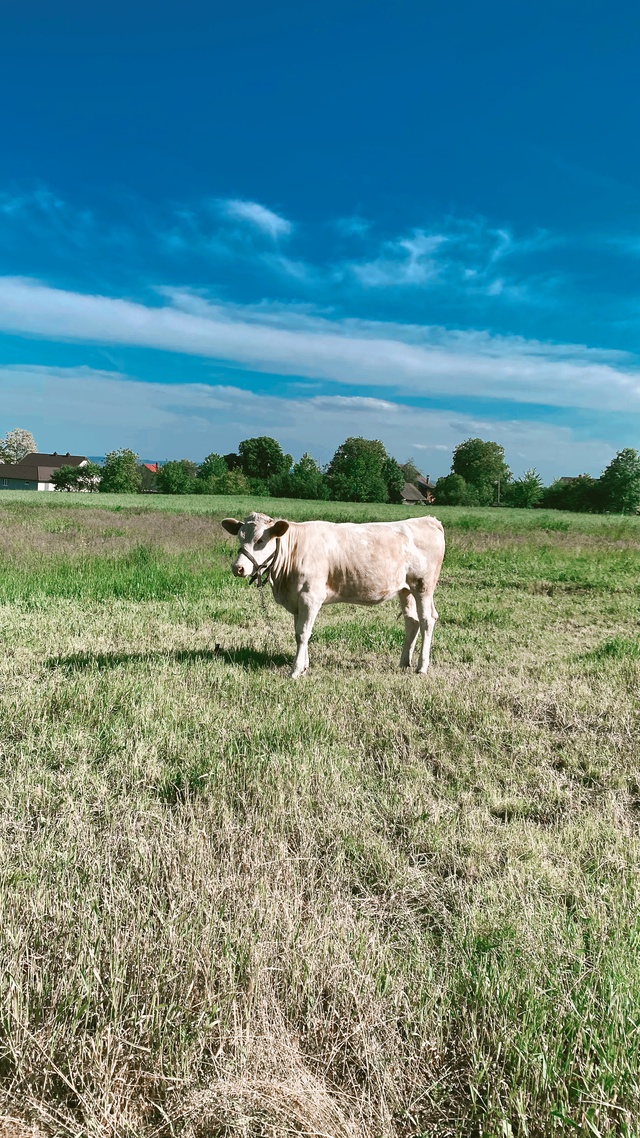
414, 221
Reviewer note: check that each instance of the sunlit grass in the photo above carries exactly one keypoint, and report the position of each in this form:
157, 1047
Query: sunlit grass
361, 904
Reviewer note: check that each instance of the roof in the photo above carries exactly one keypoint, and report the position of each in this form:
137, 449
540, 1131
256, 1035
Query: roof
426, 483
410, 493
152, 466
39, 467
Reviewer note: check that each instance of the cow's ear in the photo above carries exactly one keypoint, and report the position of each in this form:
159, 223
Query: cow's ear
231, 525
279, 528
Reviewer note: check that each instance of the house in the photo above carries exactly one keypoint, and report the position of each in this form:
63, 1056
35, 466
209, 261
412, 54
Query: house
412, 496
426, 487
149, 482
34, 471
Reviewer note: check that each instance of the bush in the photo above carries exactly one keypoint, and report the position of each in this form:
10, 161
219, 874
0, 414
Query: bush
177, 477
526, 492
583, 494
305, 480
77, 478
213, 466
452, 490
231, 482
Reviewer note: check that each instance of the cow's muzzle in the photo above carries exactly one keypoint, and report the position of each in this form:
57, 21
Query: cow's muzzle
260, 573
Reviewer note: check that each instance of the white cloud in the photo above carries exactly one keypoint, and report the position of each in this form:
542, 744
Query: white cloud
407, 261
426, 361
259, 216
88, 411
455, 256
462, 254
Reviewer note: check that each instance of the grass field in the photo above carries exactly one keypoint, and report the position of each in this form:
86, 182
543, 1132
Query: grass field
362, 904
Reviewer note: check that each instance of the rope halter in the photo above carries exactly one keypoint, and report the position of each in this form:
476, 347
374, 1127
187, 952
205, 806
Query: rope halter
261, 573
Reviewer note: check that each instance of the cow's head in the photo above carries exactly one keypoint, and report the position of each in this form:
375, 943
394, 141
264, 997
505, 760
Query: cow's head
257, 535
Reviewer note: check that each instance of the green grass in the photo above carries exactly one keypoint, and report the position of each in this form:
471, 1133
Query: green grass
362, 904
614, 527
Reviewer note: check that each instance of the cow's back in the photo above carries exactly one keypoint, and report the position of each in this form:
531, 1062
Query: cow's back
364, 563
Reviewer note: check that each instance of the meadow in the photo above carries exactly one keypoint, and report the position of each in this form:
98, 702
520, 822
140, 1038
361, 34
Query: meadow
365, 904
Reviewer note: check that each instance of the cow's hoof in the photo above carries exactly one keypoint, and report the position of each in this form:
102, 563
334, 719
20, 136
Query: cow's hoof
294, 675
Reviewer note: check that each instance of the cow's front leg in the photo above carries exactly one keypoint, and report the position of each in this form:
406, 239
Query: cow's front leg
428, 616
308, 610
411, 627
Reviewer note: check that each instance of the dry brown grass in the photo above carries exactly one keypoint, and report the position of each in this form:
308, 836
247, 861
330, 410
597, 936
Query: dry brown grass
362, 905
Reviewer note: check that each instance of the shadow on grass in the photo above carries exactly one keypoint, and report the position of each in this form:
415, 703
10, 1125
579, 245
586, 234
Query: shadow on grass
251, 659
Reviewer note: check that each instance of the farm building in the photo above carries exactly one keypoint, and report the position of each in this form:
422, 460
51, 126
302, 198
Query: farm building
149, 481
412, 495
426, 488
34, 471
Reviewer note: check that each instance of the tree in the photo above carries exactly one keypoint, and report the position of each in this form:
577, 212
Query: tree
65, 478
357, 471
213, 466
620, 482
177, 477
452, 490
231, 482
583, 494
263, 458
526, 492
120, 473
394, 478
410, 471
305, 480
76, 478
16, 445
482, 465
260, 486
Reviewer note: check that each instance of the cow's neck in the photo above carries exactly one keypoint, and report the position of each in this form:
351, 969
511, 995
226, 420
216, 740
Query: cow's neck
284, 560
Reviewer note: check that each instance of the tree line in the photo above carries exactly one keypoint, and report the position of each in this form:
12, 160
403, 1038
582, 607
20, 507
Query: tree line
480, 477
361, 470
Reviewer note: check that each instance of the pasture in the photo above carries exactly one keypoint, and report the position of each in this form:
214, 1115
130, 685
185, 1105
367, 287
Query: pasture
361, 905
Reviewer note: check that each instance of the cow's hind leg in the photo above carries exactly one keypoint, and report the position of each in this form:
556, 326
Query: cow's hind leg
305, 619
411, 626
428, 616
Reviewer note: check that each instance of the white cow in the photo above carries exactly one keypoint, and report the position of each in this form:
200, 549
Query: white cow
311, 564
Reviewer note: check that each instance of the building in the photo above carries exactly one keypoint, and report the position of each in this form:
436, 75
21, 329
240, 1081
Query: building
149, 480
412, 496
426, 487
34, 471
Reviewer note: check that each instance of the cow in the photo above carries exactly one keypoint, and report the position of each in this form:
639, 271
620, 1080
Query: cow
311, 564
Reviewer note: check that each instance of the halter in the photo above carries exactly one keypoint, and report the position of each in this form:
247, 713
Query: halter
261, 573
